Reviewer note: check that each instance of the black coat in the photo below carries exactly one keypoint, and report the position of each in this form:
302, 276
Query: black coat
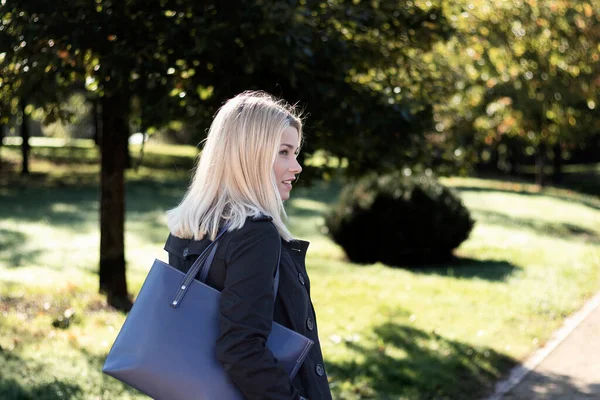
243, 271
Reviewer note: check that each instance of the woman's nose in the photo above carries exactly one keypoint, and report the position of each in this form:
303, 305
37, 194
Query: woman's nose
296, 167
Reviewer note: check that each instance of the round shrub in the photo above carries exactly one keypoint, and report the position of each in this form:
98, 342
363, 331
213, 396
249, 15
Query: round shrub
398, 220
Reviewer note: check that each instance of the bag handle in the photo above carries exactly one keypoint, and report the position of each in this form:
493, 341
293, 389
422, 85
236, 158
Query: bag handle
193, 271
205, 260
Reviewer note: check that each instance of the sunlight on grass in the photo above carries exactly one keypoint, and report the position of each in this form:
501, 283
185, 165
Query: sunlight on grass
167, 149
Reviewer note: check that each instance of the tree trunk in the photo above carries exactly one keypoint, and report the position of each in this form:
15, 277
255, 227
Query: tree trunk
128, 163
25, 144
557, 173
1, 139
514, 165
97, 121
540, 163
113, 143
494, 158
513, 158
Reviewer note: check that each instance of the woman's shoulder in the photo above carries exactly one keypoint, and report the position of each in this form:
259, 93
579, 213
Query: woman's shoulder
183, 247
257, 226
258, 237
256, 231
254, 228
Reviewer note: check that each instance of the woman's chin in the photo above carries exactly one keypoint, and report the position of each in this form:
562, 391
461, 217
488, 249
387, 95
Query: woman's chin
284, 195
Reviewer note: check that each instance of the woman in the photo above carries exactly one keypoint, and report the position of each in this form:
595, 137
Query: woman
246, 171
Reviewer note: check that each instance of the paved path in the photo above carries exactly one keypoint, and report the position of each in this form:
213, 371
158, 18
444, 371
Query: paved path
568, 368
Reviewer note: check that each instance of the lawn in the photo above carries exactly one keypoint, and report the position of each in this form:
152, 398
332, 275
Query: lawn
440, 332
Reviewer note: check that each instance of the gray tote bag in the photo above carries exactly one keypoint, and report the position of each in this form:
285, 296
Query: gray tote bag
166, 346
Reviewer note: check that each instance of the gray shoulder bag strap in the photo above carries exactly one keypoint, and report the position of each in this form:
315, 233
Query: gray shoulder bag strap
207, 260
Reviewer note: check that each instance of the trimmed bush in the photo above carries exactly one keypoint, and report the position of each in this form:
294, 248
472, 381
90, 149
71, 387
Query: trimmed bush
398, 220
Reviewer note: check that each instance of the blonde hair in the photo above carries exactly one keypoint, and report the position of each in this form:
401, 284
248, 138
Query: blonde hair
234, 177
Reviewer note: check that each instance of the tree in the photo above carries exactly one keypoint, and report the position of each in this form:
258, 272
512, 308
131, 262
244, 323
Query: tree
348, 63
4, 114
27, 78
25, 137
180, 59
48, 45
525, 71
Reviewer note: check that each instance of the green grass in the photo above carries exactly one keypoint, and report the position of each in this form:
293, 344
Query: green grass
438, 332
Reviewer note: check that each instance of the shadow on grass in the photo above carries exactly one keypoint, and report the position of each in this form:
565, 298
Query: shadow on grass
75, 206
71, 207
326, 192
147, 204
12, 365
469, 268
408, 363
551, 386
583, 186
16, 380
96, 362
10, 389
586, 182
563, 230
75, 210
581, 178
12, 249
81, 175
296, 211
148, 196
462, 267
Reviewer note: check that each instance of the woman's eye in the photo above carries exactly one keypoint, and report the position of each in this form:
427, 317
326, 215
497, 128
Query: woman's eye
283, 152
